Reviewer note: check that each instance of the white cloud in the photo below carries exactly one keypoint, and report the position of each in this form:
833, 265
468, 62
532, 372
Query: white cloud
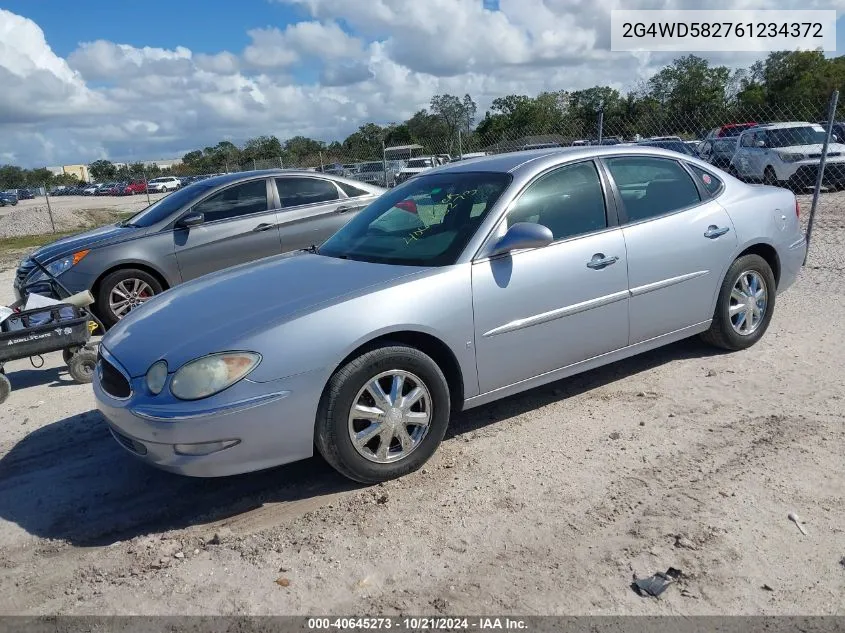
109, 99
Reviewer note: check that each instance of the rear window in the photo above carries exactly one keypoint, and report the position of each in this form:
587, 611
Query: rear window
351, 191
710, 182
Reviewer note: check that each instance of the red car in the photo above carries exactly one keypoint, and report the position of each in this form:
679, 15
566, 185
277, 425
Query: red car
734, 129
136, 186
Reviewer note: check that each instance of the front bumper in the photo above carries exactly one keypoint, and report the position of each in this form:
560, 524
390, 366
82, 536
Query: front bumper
806, 174
269, 423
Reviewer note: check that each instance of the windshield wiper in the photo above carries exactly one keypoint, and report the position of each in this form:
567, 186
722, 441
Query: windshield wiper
310, 249
127, 223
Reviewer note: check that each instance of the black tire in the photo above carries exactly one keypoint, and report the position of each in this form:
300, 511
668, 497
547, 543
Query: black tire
5, 388
69, 353
770, 177
81, 367
332, 431
722, 333
106, 314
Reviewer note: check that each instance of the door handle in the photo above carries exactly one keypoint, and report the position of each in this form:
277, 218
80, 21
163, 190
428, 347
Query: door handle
263, 227
714, 231
345, 209
599, 261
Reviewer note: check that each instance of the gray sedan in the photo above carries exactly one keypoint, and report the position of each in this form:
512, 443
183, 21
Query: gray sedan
466, 284
208, 225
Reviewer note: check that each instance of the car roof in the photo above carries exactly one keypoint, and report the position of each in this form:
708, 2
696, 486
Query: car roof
536, 160
780, 126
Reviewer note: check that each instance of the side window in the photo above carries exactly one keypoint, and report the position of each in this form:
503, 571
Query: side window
240, 200
297, 191
569, 201
712, 184
651, 187
747, 140
351, 191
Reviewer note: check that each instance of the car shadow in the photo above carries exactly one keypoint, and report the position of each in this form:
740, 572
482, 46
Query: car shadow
52, 377
71, 481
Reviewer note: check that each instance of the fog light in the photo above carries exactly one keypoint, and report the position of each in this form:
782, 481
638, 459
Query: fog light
206, 448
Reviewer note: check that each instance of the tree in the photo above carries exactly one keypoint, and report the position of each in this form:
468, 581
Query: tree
102, 170
262, 148
366, 143
456, 114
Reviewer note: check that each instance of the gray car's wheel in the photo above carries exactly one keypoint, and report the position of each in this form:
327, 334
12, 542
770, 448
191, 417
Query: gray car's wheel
124, 290
383, 414
770, 177
745, 306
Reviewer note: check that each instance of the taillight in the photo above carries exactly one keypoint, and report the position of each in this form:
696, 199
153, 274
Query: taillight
797, 208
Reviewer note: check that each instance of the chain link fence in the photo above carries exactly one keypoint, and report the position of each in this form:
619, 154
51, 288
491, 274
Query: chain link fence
763, 143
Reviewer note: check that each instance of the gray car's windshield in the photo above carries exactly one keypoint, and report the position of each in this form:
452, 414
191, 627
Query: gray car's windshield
425, 222
160, 209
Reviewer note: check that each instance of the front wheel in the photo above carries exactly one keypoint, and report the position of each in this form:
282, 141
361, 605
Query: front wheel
383, 414
124, 290
745, 306
770, 177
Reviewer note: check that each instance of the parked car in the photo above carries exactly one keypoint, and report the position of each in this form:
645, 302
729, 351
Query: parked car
674, 146
91, 189
734, 129
135, 187
206, 226
468, 156
8, 198
462, 286
373, 173
788, 154
664, 138
417, 166
107, 189
719, 151
25, 194
533, 146
163, 184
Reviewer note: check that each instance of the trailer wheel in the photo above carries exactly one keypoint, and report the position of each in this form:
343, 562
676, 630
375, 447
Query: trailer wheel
81, 366
69, 353
5, 388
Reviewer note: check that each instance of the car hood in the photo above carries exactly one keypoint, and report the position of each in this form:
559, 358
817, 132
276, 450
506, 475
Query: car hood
102, 236
811, 149
215, 312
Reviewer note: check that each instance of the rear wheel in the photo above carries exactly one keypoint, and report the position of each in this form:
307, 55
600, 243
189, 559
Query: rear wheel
745, 306
124, 290
5, 387
770, 177
383, 414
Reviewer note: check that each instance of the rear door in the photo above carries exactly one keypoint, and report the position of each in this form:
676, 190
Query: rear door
311, 210
679, 241
240, 226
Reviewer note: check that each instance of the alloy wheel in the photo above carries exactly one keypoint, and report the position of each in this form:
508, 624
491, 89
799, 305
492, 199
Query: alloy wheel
749, 300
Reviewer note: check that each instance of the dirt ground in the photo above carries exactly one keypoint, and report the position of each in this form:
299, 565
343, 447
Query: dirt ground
76, 203
545, 503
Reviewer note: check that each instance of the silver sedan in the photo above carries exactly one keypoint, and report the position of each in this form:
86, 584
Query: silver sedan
466, 284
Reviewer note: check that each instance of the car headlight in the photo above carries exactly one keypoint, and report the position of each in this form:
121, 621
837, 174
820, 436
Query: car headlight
61, 265
788, 157
212, 374
156, 377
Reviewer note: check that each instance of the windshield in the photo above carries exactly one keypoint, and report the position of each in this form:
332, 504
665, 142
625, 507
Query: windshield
792, 136
159, 210
425, 222
725, 147
372, 167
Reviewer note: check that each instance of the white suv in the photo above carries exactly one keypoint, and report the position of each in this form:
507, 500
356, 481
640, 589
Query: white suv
164, 184
788, 155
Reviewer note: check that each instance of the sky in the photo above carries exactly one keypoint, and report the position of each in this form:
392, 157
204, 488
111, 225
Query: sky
155, 79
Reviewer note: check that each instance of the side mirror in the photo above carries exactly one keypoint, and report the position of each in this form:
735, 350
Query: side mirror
192, 219
761, 144
522, 235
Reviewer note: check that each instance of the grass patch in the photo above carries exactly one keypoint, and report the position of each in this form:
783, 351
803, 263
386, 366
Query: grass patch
23, 242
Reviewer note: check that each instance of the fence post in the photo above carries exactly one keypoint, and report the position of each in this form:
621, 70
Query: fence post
146, 187
49, 208
831, 115
253, 165
322, 167
601, 122
460, 145
281, 163
384, 162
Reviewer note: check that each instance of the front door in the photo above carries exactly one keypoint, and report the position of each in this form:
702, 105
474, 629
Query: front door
543, 309
239, 227
679, 242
